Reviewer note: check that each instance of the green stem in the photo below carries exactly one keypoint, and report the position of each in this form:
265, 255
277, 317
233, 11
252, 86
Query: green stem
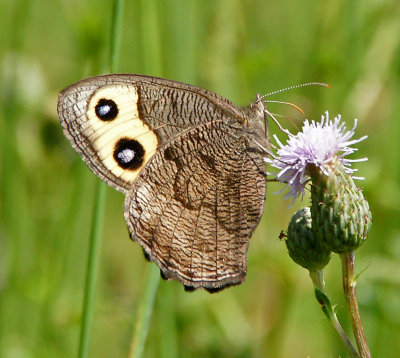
99, 200
349, 287
317, 277
144, 312
150, 51
91, 271
116, 34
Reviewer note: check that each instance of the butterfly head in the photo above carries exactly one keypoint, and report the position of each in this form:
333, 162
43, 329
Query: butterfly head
258, 121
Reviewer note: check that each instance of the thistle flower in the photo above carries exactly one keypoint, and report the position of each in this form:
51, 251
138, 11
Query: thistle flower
317, 145
340, 216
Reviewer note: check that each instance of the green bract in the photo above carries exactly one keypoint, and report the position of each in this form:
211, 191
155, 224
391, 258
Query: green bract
303, 245
340, 215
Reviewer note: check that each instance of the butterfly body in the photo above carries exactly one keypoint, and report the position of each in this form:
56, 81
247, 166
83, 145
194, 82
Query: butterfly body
190, 162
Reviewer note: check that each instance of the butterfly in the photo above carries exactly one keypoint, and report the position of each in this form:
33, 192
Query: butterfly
190, 163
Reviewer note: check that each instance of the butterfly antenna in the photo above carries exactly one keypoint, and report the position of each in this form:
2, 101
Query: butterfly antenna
296, 86
259, 98
288, 103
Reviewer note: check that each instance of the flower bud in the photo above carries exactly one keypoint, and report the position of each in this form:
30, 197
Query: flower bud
340, 215
303, 245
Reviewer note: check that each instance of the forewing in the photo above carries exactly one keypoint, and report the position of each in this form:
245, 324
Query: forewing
148, 111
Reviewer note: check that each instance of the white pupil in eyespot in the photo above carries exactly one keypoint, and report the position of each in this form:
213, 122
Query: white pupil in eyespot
126, 155
104, 110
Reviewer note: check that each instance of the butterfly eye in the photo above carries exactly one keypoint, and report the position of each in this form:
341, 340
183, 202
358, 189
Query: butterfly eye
129, 154
106, 109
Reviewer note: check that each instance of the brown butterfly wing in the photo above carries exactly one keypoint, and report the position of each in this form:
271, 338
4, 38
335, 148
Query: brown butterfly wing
148, 109
196, 203
189, 163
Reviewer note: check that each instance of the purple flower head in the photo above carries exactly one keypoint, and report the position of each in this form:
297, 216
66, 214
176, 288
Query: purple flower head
318, 144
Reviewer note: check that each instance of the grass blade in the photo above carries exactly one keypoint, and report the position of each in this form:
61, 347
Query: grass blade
95, 234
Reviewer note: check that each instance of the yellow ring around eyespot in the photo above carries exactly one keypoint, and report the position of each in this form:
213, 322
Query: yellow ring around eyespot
103, 135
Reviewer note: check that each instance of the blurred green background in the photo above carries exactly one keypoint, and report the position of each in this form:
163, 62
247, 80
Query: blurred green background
237, 49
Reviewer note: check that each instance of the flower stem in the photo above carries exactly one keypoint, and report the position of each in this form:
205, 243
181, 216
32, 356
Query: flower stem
144, 312
349, 287
317, 277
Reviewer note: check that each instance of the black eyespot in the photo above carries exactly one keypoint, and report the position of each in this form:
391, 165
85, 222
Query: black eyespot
106, 109
129, 153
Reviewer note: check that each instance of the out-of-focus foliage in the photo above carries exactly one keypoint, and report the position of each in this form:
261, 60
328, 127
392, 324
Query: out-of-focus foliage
237, 49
